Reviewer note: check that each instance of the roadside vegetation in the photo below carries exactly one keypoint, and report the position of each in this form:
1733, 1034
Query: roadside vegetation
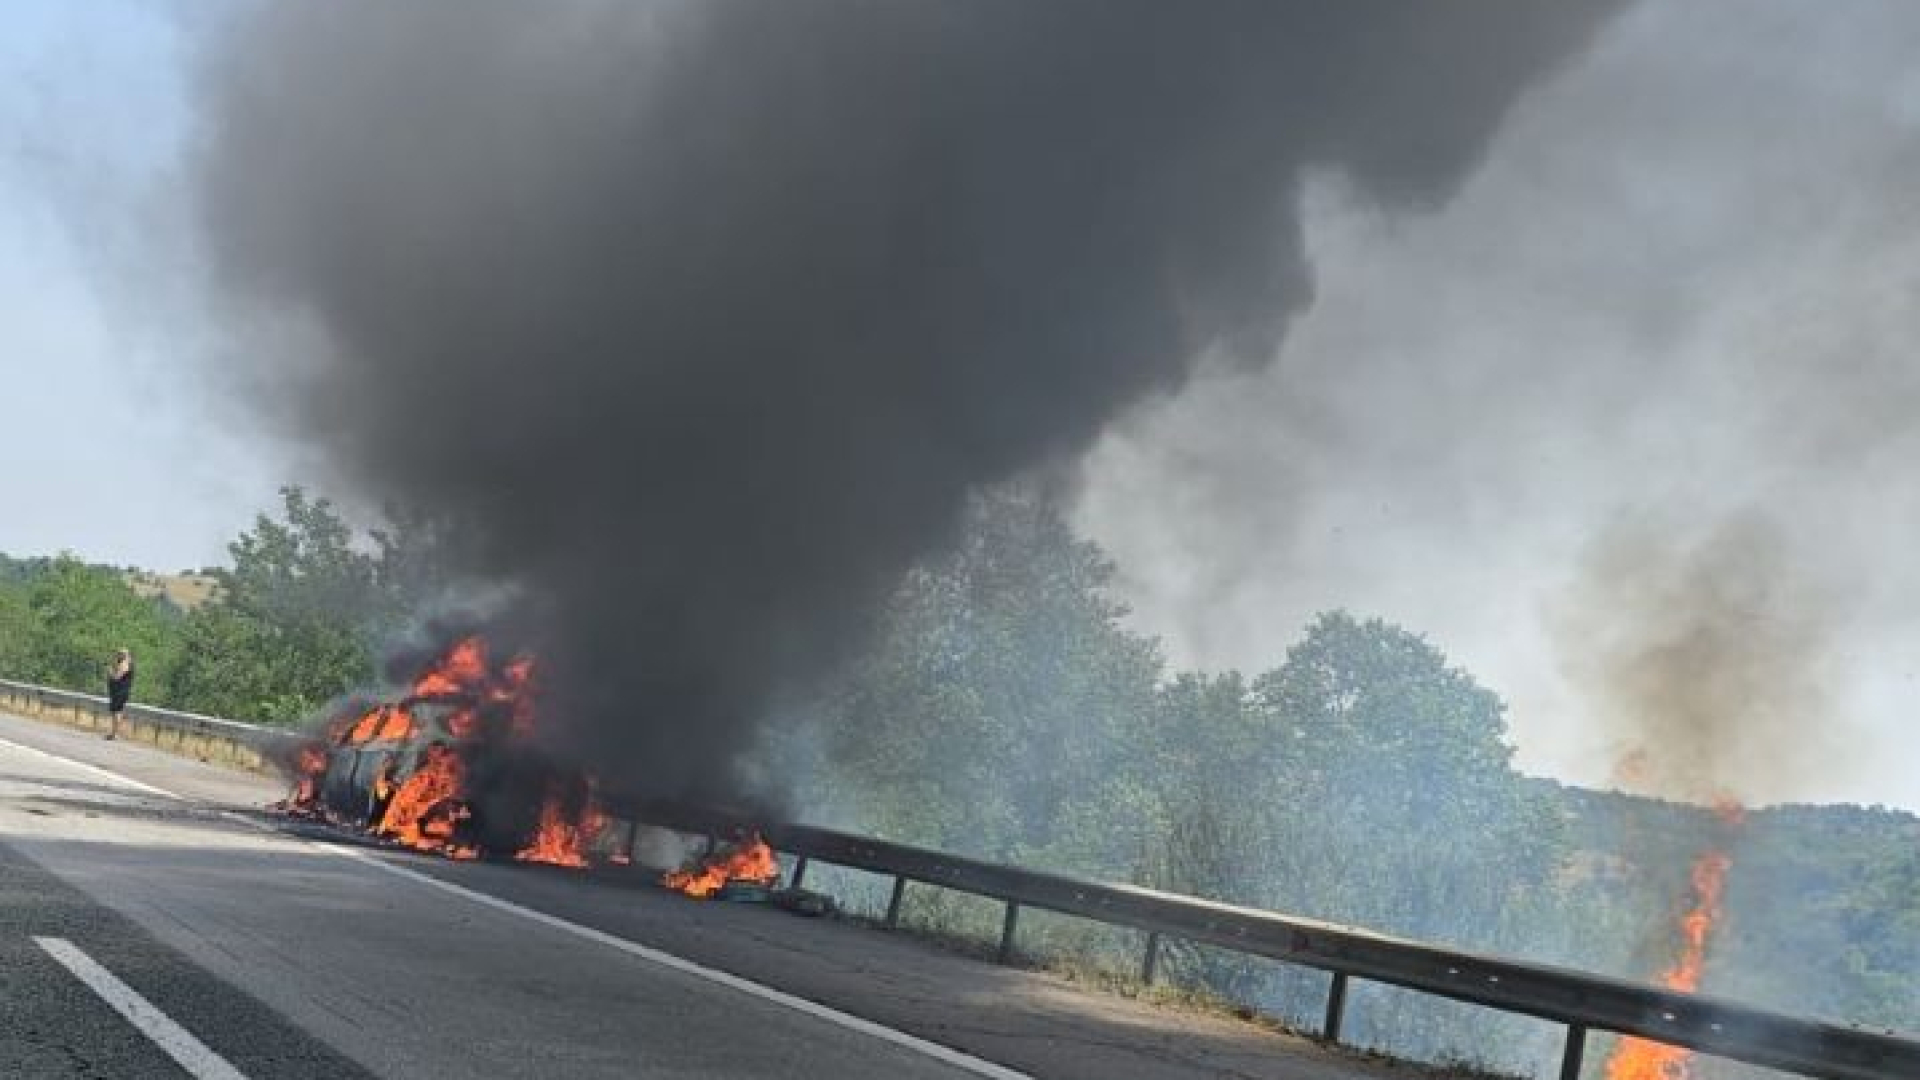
1007, 711
298, 619
1004, 709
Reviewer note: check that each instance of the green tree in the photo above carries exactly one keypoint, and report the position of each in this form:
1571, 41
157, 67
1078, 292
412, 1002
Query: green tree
295, 621
79, 614
303, 571
24, 571
1373, 727
233, 664
1389, 801
997, 693
1190, 798
19, 633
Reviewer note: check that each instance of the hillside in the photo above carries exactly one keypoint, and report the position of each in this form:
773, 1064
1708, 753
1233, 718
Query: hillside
185, 591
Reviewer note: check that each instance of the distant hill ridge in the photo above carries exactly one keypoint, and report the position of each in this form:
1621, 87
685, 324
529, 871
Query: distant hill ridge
185, 591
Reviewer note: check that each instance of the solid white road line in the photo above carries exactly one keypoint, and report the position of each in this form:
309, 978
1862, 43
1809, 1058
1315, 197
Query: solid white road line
179, 1043
945, 1054
123, 781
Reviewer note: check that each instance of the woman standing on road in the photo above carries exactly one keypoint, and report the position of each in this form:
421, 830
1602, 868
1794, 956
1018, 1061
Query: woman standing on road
119, 689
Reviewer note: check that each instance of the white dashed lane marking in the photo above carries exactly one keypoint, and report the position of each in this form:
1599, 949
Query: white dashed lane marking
179, 1043
959, 1059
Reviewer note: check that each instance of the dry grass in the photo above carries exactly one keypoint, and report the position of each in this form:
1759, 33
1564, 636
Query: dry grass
958, 923
185, 591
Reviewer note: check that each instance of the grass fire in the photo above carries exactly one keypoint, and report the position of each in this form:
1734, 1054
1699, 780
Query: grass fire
1642, 1059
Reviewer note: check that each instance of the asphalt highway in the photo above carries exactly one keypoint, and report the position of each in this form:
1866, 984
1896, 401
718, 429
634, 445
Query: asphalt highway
153, 923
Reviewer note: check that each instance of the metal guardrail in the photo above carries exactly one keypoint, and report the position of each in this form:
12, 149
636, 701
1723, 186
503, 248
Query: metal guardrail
1582, 1001
250, 745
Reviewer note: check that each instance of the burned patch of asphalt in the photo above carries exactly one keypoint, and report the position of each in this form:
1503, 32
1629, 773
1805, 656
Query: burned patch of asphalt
53, 1026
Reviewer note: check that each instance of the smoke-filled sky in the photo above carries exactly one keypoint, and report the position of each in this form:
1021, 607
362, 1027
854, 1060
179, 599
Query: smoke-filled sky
115, 444
1628, 427
699, 321
1600, 379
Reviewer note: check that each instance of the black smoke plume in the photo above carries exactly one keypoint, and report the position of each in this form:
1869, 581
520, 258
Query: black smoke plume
697, 321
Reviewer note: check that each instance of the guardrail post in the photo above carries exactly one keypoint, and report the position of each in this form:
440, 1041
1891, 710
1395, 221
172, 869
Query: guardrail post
1581, 1002
1336, 1007
1570, 1061
1150, 963
1007, 927
893, 902
799, 872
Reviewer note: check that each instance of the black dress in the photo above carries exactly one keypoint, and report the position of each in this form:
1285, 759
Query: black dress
119, 689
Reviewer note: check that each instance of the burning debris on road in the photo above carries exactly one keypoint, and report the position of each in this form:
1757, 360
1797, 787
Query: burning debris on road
750, 863
451, 769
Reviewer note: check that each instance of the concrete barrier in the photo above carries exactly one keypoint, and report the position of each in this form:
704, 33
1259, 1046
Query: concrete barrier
205, 738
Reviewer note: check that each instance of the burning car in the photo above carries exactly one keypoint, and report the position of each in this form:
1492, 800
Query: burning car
452, 769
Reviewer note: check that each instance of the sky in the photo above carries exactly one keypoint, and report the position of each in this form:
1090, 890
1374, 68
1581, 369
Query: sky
117, 448
1623, 426
1626, 428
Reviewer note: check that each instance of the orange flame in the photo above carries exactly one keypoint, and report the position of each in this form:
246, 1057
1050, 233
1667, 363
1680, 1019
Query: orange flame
382, 722
461, 723
309, 766
516, 687
1642, 1059
366, 727
462, 669
560, 840
397, 726
427, 809
464, 673
751, 861
383, 784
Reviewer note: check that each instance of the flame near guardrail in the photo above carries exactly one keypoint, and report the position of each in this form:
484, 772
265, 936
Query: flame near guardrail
1584, 1002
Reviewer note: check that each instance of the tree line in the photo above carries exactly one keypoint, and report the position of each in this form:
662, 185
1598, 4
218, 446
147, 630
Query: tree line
298, 619
1004, 708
